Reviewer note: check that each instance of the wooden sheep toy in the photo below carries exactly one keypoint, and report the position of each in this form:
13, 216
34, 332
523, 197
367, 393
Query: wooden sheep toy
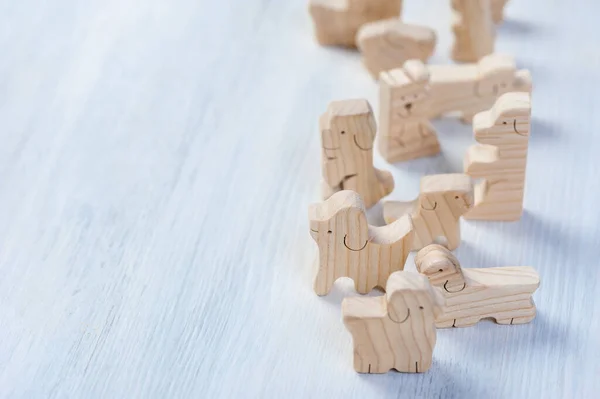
388, 43
349, 247
347, 134
394, 331
501, 293
473, 88
473, 30
443, 199
337, 21
500, 158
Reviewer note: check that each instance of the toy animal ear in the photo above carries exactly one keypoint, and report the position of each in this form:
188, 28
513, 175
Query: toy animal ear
365, 131
398, 308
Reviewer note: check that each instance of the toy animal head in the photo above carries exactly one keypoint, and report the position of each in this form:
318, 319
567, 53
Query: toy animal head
409, 87
441, 267
506, 123
452, 190
499, 75
410, 298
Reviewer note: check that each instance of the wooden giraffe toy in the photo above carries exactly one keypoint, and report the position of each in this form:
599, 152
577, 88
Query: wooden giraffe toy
349, 247
473, 88
404, 101
436, 212
347, 134
501, 293
336, 22
388, 43
394, 331
500, 158
473, 29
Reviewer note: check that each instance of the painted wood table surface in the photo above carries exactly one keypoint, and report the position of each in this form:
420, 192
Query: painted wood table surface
156, 163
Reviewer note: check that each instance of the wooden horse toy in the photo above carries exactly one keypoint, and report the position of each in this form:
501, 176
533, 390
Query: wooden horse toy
349, 247
394, 331
501, 293
436, 212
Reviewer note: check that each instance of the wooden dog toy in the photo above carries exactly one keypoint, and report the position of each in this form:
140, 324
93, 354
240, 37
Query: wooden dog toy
501, 293
337, 21
500, 158
436, 212
347, 134
473, 30
405, 99
349, 247
394, 331
388, 43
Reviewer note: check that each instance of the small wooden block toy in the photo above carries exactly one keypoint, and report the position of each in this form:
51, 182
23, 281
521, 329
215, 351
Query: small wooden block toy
394, 331
473, 88
347, 133
388, 43
405, 100
337, 21
500, 158
349, 247
473, 30
436, 212
501, 293
498, 10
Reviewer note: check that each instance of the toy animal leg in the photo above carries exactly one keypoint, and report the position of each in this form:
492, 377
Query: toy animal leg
322, 286
466, 321
521, 319
386, 179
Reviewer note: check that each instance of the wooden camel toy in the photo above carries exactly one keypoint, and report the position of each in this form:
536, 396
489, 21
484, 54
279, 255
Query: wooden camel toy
501, 293
349, 247
394, 331
436, 212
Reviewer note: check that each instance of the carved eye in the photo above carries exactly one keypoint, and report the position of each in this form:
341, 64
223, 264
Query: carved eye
421, 307
343, 132
504, 123
441, 270
329, 232
456, 197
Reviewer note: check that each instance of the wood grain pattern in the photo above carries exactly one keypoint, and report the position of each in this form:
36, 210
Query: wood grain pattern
349, 247
473, 30
435, 214
501, 293
395, 331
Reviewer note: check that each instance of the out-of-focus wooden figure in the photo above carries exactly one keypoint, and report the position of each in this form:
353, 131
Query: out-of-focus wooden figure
473, 88
350, 247
404, 102
436, 212
387, 44
347, 133
394, 331
474, 31
336, 22
500, 158
498, 10
501, 293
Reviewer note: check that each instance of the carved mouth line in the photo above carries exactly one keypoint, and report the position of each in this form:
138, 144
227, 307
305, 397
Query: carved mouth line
432, 209
516, 131
358, 145
314, 231
352, 249
331, 149
406, 318
452, 292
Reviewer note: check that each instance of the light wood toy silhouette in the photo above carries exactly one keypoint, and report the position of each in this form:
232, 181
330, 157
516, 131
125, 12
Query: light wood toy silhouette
349, 247
500, 158
347, 134
404, 101
388, 43
473, 88
501, 293
336, 22
498, 10
473, 30
436, 212
394, 331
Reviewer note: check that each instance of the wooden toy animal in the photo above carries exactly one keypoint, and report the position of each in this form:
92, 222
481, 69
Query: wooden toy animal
436, 212
501, 293
404, 104
500, 158
388, 43
337, 21
498, 10
473, 88
349, 247
347, 134
394, 331
473, 30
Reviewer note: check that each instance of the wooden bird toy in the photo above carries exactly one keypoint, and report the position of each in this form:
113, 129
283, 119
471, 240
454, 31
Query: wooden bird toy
388, 43
404, 102
500, 158
347, 133
473, 88
436, 212
474, 31
394, 331
349, 247
337, 21
501, 293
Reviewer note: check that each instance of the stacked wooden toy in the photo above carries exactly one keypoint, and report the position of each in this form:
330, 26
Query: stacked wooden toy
398, 330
